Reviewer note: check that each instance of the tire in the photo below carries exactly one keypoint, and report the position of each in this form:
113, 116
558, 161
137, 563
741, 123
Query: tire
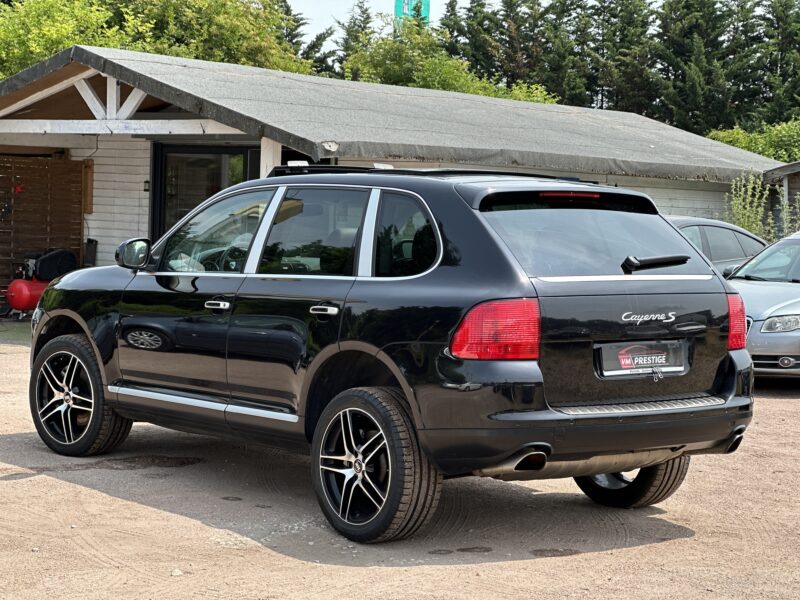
377, 485
650, 486
67, 402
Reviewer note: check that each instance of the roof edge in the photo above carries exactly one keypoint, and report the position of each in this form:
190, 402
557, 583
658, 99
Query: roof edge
778, 173
542, 160
36, 71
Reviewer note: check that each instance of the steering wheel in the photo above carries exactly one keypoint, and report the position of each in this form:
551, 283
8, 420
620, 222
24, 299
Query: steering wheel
232, 259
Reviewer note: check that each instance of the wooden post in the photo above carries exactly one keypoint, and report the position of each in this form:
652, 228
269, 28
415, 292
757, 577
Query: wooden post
270, 156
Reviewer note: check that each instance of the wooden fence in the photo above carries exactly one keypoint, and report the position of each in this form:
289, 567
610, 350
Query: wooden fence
42, 201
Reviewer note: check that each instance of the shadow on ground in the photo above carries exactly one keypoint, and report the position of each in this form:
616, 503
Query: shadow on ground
266, 495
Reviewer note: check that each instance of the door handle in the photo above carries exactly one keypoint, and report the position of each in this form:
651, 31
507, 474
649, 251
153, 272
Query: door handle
324, 310
217, 305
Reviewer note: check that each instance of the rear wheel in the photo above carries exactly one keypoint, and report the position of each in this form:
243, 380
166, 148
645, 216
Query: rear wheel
648, 486
372, 480
67, 402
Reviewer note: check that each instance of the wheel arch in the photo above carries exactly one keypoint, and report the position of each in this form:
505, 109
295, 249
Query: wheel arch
353, 364
65, 322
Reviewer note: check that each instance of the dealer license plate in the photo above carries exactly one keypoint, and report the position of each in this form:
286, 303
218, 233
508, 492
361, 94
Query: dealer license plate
636, 358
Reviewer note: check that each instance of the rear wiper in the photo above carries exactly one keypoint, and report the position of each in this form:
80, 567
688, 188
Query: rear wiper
750, 277
633, 263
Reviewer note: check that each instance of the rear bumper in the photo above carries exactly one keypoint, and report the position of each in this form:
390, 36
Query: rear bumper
581, 437
700, 431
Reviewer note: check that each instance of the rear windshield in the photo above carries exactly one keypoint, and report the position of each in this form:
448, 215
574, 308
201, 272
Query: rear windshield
558, 235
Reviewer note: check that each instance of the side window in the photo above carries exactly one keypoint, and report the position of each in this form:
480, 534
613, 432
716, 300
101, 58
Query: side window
218, 238
693, 233
405, 242
315, 232
751, 246
722, 244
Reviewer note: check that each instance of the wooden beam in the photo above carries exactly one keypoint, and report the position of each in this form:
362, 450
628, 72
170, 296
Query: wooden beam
116, 126
270, 156
47, 92
131, 104
112, 97
92, 101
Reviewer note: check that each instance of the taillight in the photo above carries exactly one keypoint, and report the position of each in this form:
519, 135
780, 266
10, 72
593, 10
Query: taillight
499, 330
737, 323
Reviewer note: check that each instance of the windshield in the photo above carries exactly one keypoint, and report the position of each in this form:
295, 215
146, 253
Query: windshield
779, 262
564, 237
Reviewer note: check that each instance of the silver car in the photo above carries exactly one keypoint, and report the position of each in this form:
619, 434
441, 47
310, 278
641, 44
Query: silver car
770, 286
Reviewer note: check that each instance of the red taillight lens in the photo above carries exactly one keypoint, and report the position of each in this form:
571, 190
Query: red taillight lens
737, 323
499, 330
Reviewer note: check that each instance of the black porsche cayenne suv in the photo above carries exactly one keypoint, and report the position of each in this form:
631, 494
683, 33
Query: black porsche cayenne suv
409, 327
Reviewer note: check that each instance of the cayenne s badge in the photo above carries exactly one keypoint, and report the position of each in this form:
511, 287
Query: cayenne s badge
638, 319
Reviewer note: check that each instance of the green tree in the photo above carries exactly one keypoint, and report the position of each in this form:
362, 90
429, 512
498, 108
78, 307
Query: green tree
744, 59
520, 39
780, 141
566, 68
782, 60
696, 95
452, 26
314, 51
411, 54
33, 30
357, 34
625, 55
481, 31
232, 31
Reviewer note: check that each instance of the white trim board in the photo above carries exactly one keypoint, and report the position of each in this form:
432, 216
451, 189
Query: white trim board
116, 126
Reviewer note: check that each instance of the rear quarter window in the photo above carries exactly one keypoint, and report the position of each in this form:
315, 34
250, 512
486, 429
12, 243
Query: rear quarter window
591, 235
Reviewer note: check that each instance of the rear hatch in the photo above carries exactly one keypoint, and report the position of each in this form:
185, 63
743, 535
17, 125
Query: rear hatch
614, 333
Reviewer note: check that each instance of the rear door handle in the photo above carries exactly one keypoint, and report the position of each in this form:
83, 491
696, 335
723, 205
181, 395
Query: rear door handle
322, 309
217, 305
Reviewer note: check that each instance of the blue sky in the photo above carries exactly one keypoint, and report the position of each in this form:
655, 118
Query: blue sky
322, 13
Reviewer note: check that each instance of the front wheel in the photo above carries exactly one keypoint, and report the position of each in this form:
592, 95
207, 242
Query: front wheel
648, 486
67, 402
372, 480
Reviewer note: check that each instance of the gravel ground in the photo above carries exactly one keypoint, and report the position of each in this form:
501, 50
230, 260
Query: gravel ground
171, 515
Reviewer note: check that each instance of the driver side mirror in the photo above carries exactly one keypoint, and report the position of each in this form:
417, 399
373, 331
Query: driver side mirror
728, 271
133, 254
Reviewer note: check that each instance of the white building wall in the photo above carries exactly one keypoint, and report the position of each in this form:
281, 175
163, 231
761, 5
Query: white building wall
121, 204
674, 197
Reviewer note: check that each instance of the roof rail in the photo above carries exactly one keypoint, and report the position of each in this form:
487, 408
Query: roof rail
284, 170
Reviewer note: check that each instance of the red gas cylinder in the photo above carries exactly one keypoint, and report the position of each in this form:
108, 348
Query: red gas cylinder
23, 294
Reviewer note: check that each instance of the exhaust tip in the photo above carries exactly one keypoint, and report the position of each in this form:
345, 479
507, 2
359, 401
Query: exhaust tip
735, 443
534, 461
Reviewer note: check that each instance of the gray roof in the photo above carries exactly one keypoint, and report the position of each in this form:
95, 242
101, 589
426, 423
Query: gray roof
332, 118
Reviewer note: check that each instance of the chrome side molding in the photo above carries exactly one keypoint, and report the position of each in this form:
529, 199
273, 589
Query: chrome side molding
175, 400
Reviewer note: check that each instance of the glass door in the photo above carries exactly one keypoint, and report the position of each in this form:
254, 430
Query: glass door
185, 176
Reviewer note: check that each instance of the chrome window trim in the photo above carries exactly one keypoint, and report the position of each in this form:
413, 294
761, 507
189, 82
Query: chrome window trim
437, 234
370, 223
631, 278
218, 197
257, 245
366, 248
